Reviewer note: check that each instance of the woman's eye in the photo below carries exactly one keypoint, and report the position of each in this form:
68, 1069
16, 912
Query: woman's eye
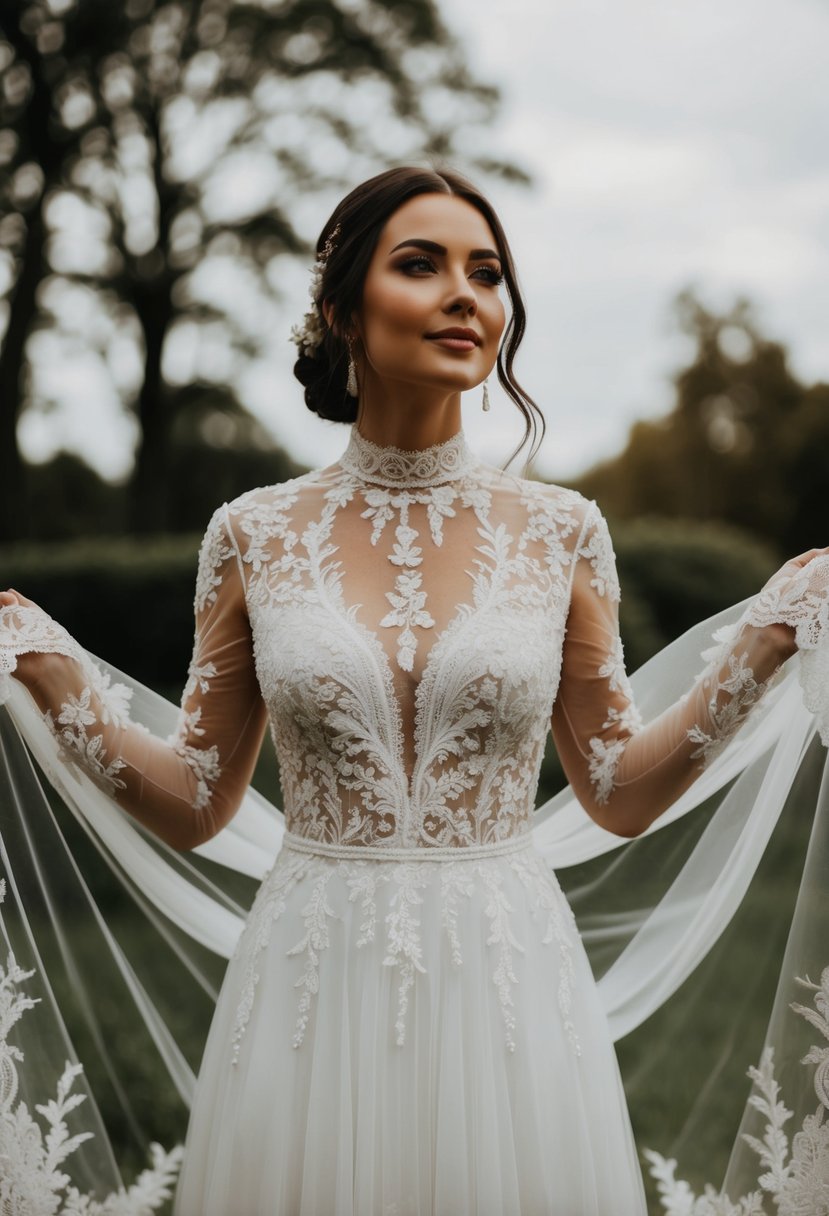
418, 264
422, 264
491, 274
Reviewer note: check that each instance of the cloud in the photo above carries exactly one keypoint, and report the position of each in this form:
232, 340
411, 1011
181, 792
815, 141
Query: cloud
671, 144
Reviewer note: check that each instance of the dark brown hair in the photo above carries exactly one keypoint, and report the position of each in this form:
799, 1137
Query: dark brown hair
360, 217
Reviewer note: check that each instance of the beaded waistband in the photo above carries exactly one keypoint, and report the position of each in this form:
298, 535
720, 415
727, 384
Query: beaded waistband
381, 852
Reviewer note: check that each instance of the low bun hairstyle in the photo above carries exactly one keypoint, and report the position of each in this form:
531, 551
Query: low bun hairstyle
361, 217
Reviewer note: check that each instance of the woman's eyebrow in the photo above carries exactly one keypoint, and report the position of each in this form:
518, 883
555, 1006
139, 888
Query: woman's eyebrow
433, 247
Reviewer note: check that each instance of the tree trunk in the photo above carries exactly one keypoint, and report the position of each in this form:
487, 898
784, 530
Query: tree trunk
14, 512
14, 515
153, 301
148, 488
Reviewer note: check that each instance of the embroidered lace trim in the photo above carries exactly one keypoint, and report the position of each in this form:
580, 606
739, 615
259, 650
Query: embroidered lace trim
23, 629
803, 603
395, 468
511, 844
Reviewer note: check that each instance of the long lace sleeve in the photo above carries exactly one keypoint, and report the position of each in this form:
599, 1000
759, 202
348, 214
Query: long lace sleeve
187, 786
624, 772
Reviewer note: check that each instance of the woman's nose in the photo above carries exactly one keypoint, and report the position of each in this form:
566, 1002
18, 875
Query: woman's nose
463, 300
460, 294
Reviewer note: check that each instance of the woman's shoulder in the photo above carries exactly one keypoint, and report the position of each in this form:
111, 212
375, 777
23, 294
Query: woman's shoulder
545, 496
277, 496
260, 507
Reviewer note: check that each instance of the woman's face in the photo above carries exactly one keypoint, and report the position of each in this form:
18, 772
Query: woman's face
432, 312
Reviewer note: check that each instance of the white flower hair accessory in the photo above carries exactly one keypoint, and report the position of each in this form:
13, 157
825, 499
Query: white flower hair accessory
311, 332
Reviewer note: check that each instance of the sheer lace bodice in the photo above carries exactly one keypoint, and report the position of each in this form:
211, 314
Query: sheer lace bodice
406, 623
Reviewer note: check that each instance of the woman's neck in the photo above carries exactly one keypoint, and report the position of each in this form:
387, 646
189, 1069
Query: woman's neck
411, 424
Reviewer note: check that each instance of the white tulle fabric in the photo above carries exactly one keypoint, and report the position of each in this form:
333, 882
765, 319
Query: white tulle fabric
409, 1022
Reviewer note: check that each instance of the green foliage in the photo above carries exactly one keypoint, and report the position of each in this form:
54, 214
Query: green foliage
218, 452
215, 456
129, 601
806, 473
679, 572
65, 498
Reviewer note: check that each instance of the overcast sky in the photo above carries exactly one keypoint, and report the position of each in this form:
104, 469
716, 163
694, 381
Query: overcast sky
672, 144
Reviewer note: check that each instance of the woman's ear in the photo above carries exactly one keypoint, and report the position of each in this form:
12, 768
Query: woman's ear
351, 331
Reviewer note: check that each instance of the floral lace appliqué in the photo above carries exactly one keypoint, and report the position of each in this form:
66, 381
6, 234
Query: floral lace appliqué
402, 943
216, 551
547, 898
408, 599
731, 697
404, 949
101, 704
602, 764
268, 907
794, 1177
32, 1153
598, 550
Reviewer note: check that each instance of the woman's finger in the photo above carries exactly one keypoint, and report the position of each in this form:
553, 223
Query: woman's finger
803, 559
14, 597
794, 564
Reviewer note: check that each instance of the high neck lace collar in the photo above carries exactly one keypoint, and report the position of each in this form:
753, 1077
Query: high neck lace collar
395, 468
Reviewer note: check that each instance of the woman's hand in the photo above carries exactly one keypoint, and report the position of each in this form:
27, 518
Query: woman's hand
779, 635
32, 667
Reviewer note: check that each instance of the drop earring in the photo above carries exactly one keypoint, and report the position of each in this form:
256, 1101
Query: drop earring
351, 386
485, 403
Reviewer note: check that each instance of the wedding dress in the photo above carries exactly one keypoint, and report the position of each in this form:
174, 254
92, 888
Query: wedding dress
409, 1022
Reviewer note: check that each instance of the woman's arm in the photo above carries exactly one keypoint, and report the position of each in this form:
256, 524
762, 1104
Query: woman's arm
623, 772
184, 788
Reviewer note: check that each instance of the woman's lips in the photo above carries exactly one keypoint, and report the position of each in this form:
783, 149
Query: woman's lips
455, 343
456, 337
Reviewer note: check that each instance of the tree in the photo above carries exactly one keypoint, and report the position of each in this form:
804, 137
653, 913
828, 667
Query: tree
41, 67
745, 442
123, 126
806, 474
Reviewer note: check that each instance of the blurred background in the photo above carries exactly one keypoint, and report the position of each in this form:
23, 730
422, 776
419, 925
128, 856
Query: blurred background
166, 165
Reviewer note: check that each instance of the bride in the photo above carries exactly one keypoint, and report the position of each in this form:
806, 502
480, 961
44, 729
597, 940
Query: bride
409, 1023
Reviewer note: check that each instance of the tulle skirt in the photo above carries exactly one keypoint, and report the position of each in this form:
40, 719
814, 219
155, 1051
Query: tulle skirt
410, 1037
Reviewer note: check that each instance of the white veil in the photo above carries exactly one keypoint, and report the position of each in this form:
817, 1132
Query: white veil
656, 915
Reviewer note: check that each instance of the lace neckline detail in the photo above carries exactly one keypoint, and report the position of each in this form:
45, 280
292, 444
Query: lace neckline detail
395, 468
